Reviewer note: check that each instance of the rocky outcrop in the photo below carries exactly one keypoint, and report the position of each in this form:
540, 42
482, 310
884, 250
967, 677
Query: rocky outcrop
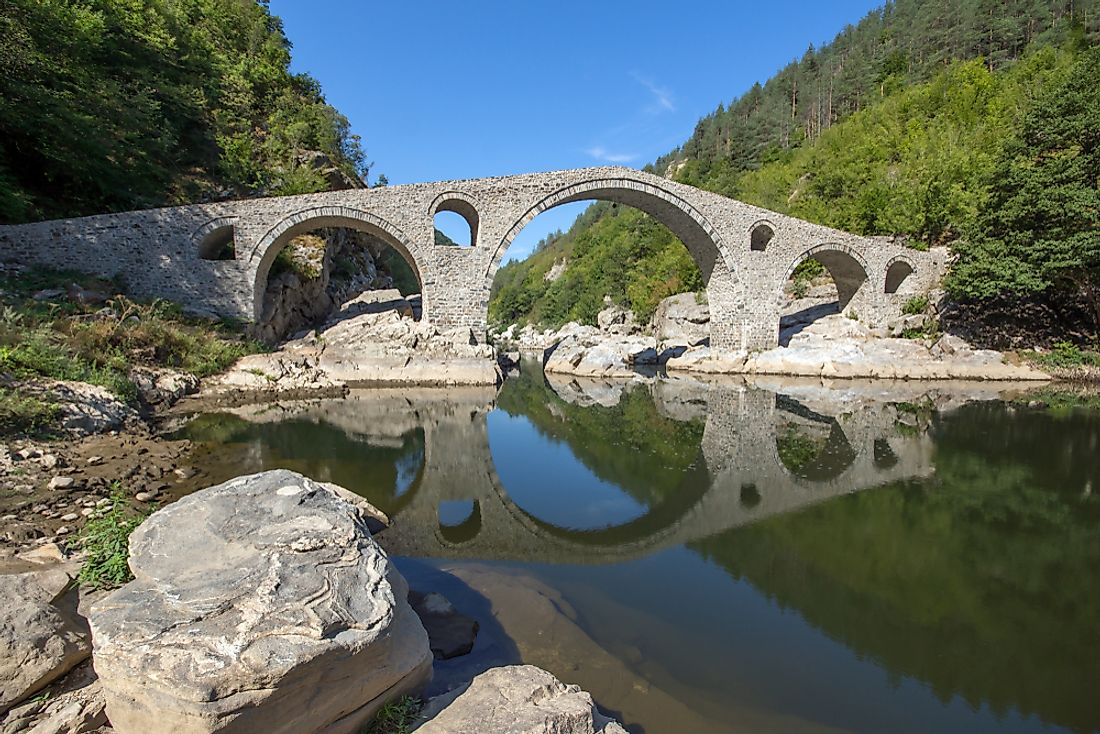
41, 635
516, 699
274, 611
327, 268
681, 321
836, 346
161, 388
374, 339
84, 409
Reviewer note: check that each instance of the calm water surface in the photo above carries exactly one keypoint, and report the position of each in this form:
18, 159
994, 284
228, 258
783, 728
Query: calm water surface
728, 558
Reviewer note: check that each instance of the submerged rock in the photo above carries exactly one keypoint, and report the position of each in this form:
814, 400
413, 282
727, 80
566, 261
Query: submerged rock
516, 699
260, 604
450, 633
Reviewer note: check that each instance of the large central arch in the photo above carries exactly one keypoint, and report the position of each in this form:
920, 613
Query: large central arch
685, 221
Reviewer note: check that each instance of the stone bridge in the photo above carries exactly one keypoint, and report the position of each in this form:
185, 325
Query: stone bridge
745, 253
741, 477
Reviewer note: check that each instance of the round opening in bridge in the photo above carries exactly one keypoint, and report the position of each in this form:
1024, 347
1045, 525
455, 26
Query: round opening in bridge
760, 236
217, 244
329, 275
455, 222
819, 292
896, 275
750, 496
459, 520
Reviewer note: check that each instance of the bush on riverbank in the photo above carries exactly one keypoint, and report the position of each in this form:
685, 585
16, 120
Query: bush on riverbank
67, 326
105, 542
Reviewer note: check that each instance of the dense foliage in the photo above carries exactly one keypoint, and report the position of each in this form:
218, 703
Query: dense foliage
1040, 227
622, 252
119, 104
924, 119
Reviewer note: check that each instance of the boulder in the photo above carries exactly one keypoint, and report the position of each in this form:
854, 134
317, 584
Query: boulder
615, 319
450, 633
41, 635
85, 409
600, 355
162, 387
516, 699
681, 321
274, 611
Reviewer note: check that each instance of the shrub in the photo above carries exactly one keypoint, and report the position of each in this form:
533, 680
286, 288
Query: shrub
26, 415
915, 306
1067, 354
105, 541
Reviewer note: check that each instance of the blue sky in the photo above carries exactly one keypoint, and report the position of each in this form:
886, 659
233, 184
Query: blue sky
443, 90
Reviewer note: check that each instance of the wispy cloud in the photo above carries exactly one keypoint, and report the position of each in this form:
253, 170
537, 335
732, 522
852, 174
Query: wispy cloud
662, 96
602, 154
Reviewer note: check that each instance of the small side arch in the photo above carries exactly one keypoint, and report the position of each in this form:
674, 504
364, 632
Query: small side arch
275, 239
760, 234
214, 240
461, 204
898, 271
847, 268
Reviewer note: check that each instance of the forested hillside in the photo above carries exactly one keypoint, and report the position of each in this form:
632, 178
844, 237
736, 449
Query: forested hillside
924, 119
121, 104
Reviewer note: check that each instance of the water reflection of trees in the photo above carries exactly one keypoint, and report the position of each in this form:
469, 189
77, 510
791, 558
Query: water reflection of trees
382, 468
630, 444
982, 584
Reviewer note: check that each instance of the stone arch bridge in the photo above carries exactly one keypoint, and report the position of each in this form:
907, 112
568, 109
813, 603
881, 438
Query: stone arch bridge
745, 253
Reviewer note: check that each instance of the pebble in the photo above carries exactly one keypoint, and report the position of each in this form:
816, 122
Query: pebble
87, 511
143, 496
102, 502
63, 530
49, 461
61, 483
71, 517
9, 518
95, 460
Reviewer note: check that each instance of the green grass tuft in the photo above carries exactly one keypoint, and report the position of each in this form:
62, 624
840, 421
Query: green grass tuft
105, 541
396, 717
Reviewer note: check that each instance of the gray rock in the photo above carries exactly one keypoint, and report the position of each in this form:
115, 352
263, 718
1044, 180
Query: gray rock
41, 635
681, 320
275, 611
450, 633
77, 708
85, 409
516, 699
158, 386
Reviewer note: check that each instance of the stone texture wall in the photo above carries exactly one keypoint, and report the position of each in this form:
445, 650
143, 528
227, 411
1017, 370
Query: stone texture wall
160, 252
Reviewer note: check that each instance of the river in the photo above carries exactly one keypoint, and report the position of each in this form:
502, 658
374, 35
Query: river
722, 557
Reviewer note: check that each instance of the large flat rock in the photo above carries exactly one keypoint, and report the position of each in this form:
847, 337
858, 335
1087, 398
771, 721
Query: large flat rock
258, 605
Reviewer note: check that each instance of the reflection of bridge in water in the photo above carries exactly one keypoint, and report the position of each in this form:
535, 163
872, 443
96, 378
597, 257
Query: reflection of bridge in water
741, 477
